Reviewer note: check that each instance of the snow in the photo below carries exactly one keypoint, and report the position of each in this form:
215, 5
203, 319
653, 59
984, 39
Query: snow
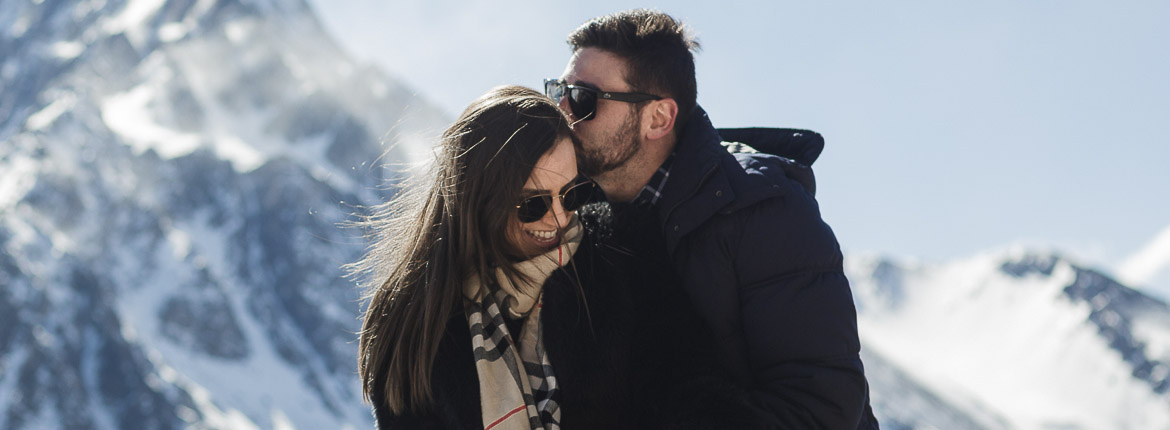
67, 50
180, 243
1150, 263
280, 421
237, 31
19, 27
16, 178
136, 11
211, 414
128, 114
1015, 347
243, 156
9, 69
172, 31
131, 19
44, 117
1153, 331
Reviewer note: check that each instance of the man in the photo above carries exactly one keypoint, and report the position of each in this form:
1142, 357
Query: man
742, 230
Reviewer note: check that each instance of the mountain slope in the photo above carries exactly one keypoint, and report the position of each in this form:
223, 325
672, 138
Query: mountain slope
1028, 340
172, 174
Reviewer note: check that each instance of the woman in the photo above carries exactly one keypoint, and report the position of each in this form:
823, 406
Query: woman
492, 306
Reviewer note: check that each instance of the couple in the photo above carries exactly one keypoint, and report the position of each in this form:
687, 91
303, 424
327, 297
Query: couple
668, 283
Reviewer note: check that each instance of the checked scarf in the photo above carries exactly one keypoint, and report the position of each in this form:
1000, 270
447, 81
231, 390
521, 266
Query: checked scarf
517, 388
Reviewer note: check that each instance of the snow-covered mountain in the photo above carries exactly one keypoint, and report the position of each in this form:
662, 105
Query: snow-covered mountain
1014, 339
172, 173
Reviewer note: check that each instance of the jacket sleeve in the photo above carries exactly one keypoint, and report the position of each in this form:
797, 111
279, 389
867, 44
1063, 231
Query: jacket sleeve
797, 314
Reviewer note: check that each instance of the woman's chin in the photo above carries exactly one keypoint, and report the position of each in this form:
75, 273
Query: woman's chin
536, 246
545, 246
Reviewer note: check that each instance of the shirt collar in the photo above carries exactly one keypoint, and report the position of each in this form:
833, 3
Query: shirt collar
652, 192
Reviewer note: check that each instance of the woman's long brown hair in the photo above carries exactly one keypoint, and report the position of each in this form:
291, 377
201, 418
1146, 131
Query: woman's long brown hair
437, 233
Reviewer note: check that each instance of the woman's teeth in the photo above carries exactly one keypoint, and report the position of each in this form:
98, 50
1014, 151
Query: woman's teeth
542, 235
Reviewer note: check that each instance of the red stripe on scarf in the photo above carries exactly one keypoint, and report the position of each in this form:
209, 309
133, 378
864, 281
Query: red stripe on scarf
509, 414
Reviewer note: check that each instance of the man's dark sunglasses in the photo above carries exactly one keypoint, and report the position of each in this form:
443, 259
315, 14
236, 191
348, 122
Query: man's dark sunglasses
583, 100
575, 194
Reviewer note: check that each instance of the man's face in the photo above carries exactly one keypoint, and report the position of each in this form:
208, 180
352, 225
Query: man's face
612, 136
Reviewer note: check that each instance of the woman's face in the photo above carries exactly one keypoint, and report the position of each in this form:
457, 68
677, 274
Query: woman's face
554, 170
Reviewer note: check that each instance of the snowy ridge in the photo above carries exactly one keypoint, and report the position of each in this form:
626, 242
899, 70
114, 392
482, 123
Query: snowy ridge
1149, 267
1019, 339
172, 174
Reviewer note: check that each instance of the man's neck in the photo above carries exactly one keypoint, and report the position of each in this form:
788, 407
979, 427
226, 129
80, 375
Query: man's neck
623, 183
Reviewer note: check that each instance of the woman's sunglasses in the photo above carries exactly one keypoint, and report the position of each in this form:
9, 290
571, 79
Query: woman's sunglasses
583, 100
575, 194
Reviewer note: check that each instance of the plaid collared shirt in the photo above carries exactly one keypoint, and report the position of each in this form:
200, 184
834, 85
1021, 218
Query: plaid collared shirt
653, 190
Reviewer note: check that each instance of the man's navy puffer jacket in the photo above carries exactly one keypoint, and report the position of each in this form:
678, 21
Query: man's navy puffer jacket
765, 272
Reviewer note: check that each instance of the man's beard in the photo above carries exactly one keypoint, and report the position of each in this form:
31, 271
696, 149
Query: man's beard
616, 150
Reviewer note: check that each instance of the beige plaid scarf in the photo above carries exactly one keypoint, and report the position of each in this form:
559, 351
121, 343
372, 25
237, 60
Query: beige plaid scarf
517, 388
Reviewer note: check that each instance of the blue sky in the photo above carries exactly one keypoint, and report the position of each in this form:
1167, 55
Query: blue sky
951, 128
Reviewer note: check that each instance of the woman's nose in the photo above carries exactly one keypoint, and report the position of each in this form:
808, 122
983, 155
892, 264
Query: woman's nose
560, 216
564, 105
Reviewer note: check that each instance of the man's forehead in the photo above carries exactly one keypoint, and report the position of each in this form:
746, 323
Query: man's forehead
596, 68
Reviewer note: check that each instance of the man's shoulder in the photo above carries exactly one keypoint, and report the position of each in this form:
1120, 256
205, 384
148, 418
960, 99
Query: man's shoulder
757, 169
775, 223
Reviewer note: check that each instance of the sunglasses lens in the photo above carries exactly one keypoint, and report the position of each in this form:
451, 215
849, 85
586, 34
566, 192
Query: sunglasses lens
554, 89
533, 208
582, 103
577, 196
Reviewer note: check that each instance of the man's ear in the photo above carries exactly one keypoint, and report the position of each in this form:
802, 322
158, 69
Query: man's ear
659, 119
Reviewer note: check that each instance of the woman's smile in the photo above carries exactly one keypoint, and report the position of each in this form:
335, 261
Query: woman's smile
543, 238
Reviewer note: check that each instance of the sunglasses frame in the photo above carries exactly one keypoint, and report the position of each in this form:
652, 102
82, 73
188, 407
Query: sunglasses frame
581, 181
565, 88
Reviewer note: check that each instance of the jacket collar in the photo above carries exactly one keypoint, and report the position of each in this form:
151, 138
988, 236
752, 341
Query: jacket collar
698, 188
696, 155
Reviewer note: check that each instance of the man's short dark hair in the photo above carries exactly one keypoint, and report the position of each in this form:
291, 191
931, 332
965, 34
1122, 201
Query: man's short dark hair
657, 49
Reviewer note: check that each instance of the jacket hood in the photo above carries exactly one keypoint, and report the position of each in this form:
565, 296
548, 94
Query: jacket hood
797, 149
801, 146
